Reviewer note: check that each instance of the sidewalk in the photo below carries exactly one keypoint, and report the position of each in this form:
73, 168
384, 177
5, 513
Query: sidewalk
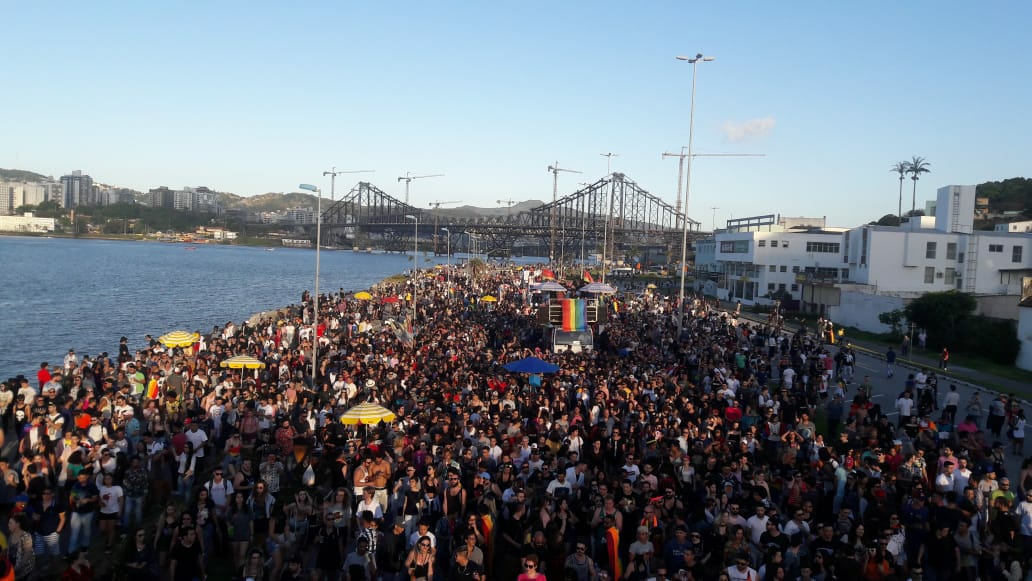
921, 359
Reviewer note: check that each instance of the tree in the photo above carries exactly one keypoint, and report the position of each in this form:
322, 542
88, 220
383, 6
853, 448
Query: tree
942, 314
476, 267
900, 168
888, 220
915, 167
893, 319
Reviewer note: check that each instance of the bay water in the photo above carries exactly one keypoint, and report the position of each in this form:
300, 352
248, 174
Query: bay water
58, 294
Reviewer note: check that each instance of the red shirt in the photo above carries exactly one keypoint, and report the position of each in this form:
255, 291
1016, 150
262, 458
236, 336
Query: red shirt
43, 377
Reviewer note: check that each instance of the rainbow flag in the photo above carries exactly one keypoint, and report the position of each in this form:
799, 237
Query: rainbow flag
612, 539
574, 318
152, 389
486, 524
587, 277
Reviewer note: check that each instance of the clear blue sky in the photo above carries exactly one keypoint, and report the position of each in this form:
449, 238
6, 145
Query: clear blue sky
254, 97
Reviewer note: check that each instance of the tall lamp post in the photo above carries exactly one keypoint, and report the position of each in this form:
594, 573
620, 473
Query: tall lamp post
315, 295
415, 260
448, 238
688, 185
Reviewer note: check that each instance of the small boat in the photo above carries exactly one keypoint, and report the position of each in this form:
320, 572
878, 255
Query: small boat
270, 250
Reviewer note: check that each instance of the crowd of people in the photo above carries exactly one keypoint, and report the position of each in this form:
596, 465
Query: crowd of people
702, 448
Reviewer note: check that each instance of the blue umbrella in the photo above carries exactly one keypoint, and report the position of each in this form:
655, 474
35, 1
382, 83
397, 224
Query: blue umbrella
531, 365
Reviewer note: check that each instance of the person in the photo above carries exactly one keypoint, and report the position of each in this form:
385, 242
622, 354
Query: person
186, 562
19, 547
741, 570
49, 518
530, 569
112, 503
253, 568
581, 564
359, 565
944, 359
82, 500
890, 360
141, 560
463, 569
420, 562
80, 568
1017, 432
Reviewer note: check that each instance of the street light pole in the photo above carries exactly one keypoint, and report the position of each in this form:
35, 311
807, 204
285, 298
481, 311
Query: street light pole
315, 295
448, 232
688, 186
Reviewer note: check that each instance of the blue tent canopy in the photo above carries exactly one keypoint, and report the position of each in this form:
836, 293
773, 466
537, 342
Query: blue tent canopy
531, 365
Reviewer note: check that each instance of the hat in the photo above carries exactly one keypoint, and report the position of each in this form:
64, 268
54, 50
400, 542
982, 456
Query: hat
485, 476
370, 384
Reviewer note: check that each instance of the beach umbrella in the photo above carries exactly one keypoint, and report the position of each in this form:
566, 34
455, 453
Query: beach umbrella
651, 286
598, 288
242, 362
531, 365
489, 299
550, 287
367, 413
363, 296
179, 339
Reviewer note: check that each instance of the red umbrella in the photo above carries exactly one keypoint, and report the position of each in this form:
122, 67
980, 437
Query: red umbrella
390, 299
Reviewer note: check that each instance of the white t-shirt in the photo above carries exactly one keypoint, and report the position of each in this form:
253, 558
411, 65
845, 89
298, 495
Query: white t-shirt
735, 574
198, 439
109, 497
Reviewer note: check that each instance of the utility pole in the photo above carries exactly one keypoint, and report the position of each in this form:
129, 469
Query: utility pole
437, 206
508, 205
609, 159
714, 208
555, 169
408, 177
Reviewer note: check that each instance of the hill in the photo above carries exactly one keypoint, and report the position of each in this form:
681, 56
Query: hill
20, 175
268, 202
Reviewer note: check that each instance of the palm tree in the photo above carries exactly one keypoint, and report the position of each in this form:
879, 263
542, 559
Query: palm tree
901, 169
916, 167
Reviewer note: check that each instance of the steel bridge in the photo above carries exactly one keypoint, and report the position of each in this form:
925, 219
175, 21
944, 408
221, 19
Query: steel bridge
367, 216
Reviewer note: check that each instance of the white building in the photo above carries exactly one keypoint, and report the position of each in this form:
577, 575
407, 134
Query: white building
1023, 226
755, 258
26, 223
14, 195
301, 215
889, 266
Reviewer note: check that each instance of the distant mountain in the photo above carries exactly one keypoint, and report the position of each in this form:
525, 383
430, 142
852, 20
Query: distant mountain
489, 212
270, 202
21, 175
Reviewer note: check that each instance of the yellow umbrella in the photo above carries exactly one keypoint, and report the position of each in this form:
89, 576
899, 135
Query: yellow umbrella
650, 286
179, 339
242, 362
363, 296
489, 299
368, 414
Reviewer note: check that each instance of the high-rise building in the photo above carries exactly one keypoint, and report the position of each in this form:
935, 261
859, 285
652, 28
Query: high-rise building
77, 190
161, 197
14, 195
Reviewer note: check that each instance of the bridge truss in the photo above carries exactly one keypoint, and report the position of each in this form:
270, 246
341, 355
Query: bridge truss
613, 208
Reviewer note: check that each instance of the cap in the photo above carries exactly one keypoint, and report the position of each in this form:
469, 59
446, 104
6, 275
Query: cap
485, 476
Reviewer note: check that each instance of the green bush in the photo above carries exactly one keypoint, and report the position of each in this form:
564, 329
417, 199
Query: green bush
995, 339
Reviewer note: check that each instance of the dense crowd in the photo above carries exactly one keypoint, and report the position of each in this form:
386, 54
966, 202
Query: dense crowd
714, 449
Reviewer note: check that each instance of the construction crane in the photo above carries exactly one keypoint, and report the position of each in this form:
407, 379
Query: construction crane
555, 169
680, 174
408, 177
436, 205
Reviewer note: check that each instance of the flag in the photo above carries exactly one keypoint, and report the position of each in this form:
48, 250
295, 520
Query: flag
574, 318
152, 389
612, 540
547, 274
587, 277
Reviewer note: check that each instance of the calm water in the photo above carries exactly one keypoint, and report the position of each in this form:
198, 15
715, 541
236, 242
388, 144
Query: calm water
59, 294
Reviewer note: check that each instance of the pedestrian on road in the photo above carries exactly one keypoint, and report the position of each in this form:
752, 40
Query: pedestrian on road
944, 359
890, 358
